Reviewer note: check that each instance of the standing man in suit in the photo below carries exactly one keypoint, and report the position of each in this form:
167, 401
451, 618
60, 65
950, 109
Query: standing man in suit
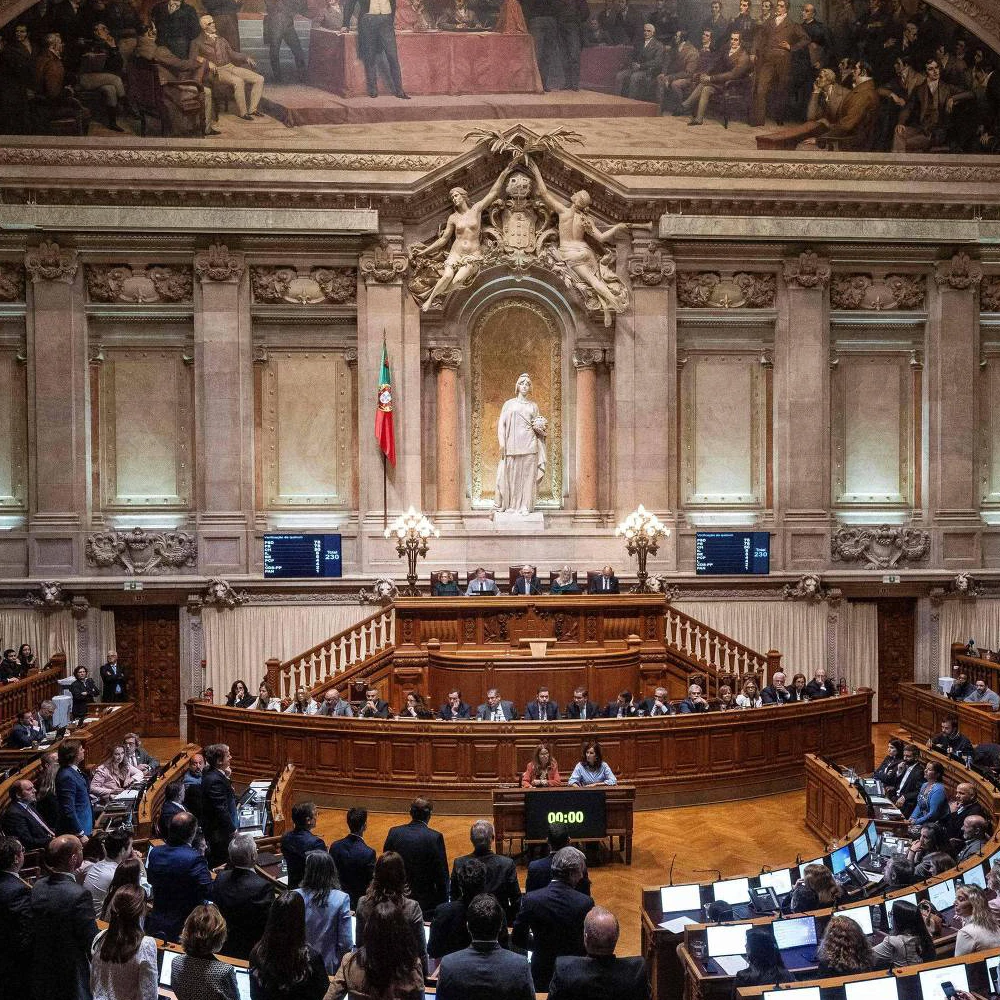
177, 26
62, 913
21, 819
113, 678
484, 968
354, 859
455, 709
76, 814
84, 692
377, 38
600, 974
550, 921
582, 708
540, 870
297, 843
218, 802
606, 583
243, 897
495, 709
501, 872
774, 44
280, 27
541, 709
179, 877
526, 582
424, 856
173, 803
16, 929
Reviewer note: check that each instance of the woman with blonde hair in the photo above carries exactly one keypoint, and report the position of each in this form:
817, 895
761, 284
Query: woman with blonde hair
114, 776
749, 697
542, 769
817, 887
845, 949
980, 925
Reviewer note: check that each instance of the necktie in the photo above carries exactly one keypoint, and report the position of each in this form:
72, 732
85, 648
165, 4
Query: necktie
606, 587
496, 716
583, 712
41, 822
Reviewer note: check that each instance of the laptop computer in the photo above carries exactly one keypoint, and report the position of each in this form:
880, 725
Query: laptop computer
796, 940
886, 988
726, 946
736, 892
679, 905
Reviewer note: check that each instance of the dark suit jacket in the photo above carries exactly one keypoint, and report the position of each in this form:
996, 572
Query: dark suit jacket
362, 7
573, 711
355, 862
381, 710
648, 704
178, 30
599, 978
531, 587
449, 932
18, 822
445, 712
597, 585
953, 824
244, 898
218, 811
771, 696
501, 879
484, 969
532, 711
75, 812
17, 935
649, 55
909, 788
22, 736
181, 881
611, 711
816, 690
426, 861
115, 685
167, 813
540, 875
295, 845
554, 916
63, 916
956, 743
484, 710
84, 693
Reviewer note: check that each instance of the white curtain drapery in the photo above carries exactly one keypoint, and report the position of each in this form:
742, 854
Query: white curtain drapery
964, 620
48, 632
858, 647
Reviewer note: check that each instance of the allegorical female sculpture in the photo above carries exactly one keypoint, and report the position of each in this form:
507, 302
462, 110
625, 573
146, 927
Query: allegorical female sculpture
521, 431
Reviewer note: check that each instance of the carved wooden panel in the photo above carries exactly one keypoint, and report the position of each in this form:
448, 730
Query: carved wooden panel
921, 712
145, 429
723, 430
13, 432
148, 641
306, 430
896, 650
872, 428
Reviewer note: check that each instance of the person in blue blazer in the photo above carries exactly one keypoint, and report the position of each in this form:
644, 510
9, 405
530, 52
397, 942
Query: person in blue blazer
542, 708
76, 815
179, 876
354, 859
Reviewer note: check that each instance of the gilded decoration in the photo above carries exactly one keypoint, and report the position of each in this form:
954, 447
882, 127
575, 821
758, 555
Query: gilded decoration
714, 290
510, 337
11, 282
48, 262
217, 263
809, 271
122, 283
878, 293
317, 286
881, 546
139, 551
651, 265
959, 273
384, 263
989, 294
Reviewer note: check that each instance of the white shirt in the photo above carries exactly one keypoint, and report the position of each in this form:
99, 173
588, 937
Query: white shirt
379, 7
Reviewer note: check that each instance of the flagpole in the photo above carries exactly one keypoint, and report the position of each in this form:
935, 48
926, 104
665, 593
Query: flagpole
385, 495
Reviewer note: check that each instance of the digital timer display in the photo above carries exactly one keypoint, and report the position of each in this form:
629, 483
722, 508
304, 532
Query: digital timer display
582, 810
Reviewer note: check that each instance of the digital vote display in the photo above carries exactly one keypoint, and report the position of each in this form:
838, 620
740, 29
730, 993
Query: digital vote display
584, 812
302, 555
732, 552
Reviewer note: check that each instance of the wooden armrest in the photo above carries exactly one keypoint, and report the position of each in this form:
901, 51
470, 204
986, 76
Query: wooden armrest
178, 84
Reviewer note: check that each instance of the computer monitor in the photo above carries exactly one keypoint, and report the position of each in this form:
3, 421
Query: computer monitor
806, 864
861, 849
861, 915
886, 988
871, 831
840, 858
780, 881
942, 895
910, 897
993, 974
799, 993
165, 963
728, 939
243, 983
734, 890
796, 932
975, 876
931, 980
680, 898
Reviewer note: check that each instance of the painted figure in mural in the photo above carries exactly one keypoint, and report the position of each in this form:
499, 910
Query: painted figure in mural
521, 431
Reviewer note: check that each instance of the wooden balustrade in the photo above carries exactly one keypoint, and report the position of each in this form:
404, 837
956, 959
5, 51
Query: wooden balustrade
976, 668
922, 710
30, 691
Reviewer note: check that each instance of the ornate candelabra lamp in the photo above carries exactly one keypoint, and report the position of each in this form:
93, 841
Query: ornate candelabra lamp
642, 532
411, 531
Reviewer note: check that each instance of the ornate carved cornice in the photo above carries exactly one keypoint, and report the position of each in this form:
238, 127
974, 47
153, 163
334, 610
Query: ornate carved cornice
446, 357
385, 263
140, 551
878, 292
809, 271
11, 282
122, 283
318, 286
220, 594
879, 547
47, 262
959, 273
587, 357
652, 266
217, 263
715, 290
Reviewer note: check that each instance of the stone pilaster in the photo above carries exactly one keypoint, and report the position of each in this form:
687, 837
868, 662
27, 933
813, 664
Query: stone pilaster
57, 406
585, 361
447, 361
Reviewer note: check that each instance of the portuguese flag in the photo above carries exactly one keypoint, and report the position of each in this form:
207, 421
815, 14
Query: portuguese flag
384, 433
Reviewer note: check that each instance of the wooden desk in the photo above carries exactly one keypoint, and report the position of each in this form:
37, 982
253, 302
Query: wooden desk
922, 710
508, 816
834, 809
152, 799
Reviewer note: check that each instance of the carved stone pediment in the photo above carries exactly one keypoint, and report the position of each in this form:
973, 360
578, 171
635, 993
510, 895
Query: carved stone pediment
880, 546
384, 263
122, 283
714, 290
877, 292
652, 265
139, 551
317, 286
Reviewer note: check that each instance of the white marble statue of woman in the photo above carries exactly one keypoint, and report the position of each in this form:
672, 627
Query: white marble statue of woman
521, 430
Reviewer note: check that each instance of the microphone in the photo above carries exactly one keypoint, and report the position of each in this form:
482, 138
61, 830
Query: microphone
798, 859
765, 868
670, 874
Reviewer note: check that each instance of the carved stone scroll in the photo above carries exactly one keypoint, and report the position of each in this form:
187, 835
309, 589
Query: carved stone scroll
959, 273
809, 271
122, 283
218, 263
139, 551
879, 547
384, 263
652, 265
318, 286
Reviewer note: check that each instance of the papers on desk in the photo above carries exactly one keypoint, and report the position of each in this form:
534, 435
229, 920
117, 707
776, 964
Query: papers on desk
731, 964
89, 719
129, 795
889, 812
677, 925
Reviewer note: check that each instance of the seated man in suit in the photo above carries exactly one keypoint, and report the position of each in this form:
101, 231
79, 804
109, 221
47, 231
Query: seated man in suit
694, 702
173, 803
424, 856
975, 832
354, 859
243, 897
484, 969
911, 778
45, 718
541, 708
582, 708
540, 870
775, 693
297, 843
599, 974
621, 707
25, 731
455, 709
495, 709
606, 583
374, 707
963, 804
179, 877
481, 584
137, 756
950, 740
22, 820
333, 705
16, 930
526, 582
659, 704
501, 872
